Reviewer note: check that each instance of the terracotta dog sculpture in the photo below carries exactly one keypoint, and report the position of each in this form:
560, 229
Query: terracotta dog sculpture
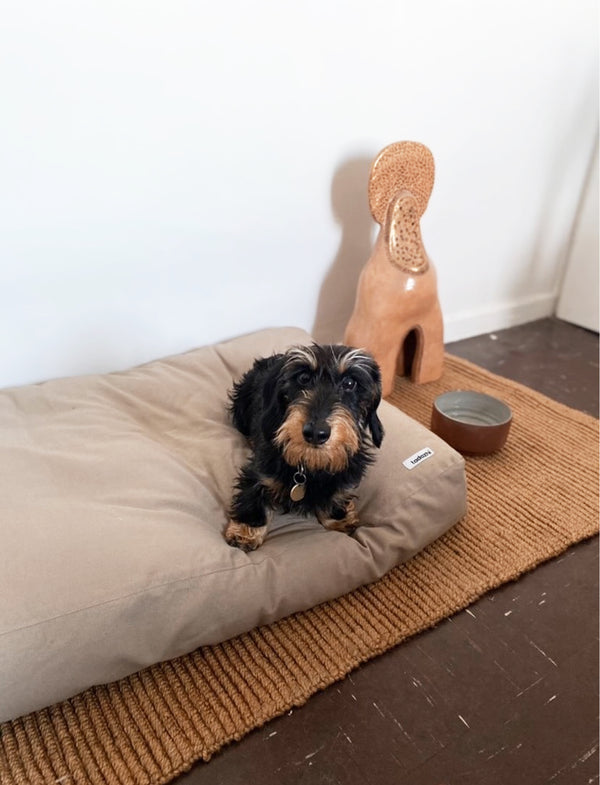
396, 297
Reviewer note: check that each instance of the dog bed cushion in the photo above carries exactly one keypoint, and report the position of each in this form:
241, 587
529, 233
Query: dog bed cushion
113, 494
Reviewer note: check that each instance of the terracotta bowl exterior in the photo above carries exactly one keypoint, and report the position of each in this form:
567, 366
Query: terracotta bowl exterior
471, 422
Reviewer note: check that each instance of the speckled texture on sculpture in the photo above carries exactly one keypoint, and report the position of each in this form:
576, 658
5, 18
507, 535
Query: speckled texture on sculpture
403, 235
400, 166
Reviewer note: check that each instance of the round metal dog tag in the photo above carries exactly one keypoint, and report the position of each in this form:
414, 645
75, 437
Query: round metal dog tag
298, 489
297, 492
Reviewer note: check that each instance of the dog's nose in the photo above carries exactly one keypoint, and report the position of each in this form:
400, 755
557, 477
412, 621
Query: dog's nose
316, 433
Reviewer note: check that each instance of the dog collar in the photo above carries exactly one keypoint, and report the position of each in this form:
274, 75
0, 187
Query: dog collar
299, 487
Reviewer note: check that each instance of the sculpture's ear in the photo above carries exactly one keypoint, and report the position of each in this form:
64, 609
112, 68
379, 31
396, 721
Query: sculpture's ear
404, 242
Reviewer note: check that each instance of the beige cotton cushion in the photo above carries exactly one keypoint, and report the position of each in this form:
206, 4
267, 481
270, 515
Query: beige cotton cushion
113, 491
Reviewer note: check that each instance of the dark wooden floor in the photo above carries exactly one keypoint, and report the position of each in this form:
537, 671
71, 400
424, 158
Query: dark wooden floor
504, 693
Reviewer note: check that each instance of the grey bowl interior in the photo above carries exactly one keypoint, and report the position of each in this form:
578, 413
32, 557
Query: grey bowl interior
473, 408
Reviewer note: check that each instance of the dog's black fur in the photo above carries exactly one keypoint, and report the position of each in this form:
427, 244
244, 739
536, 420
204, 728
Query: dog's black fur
310, 416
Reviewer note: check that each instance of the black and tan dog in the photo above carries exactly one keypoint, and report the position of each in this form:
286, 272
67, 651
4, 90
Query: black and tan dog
310, 416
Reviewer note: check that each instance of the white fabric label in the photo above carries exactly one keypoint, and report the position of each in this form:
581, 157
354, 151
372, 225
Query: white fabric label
418, 458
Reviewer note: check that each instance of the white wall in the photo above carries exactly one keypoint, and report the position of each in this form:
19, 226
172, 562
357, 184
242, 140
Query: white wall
173, 173
579, 299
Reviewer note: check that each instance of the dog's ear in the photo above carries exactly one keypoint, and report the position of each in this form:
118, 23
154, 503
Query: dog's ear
375, 427
273, 401
373, 422
240, 401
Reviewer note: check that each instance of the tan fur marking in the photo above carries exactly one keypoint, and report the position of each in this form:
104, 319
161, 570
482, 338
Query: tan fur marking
289, 436
347, 524
343, 429
247, 538
333, 455
277, 490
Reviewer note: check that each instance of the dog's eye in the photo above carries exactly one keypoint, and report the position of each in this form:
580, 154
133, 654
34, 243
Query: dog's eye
303, 378
348, 383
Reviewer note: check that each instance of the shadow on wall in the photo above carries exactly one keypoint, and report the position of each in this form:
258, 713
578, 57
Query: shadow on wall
350, 205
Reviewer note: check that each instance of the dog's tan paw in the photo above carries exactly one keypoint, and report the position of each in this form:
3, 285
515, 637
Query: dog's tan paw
247, 538
346, 524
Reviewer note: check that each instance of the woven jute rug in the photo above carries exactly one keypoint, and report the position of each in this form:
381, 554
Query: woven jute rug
527, 503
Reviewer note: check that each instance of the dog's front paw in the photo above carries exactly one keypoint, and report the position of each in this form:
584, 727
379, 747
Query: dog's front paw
247, 538
347, 522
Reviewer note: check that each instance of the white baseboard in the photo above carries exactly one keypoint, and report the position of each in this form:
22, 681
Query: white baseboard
478, 321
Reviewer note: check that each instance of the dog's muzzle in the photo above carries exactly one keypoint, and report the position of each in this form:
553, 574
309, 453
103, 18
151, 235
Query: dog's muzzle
316, 442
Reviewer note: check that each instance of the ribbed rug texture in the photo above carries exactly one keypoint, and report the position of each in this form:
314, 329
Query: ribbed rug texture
527, 503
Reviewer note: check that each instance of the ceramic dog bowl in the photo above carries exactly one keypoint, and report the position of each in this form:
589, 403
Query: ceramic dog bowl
471, 422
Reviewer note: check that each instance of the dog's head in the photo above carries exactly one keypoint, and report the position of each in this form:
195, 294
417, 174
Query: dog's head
320, 405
